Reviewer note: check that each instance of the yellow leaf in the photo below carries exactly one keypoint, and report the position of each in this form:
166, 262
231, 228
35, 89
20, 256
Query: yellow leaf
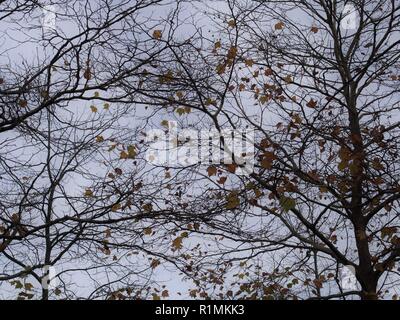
93, 108
88, 193
123, 155
155, 296
264, 99
106, 106
131, 152
184, 234
177, 243
249, 62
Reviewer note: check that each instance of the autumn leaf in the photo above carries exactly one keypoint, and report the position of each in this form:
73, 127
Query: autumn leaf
233, 201
232, 52
165, 294
249, 62
180, 111
167, 78
87, 74
28, 286
23, 103
222, 180
388, 232
232, 23
221, 68
288, 79
147, 231
312, 104
131, 152
212, 171
88, 193
99, 139
314, 29
116, 207
165, 123
155, 296
267, 160
268, 72
287, 203
343, 165
184, 234
155, 263
279, 26
377, 164
93, 108
123, 155
231, 167
108, 233
318, 283
147, 207
264, 99
177, 243
17, 284
157, 34
106, 106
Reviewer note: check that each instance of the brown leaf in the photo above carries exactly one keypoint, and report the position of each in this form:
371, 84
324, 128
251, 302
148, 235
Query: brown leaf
87, 74
312, 104
279, 26
157, 34
23, 103
212, 171
232, 23
165, 294
177, 243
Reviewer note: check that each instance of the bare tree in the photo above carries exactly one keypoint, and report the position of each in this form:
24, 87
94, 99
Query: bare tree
318, 81
67, 200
